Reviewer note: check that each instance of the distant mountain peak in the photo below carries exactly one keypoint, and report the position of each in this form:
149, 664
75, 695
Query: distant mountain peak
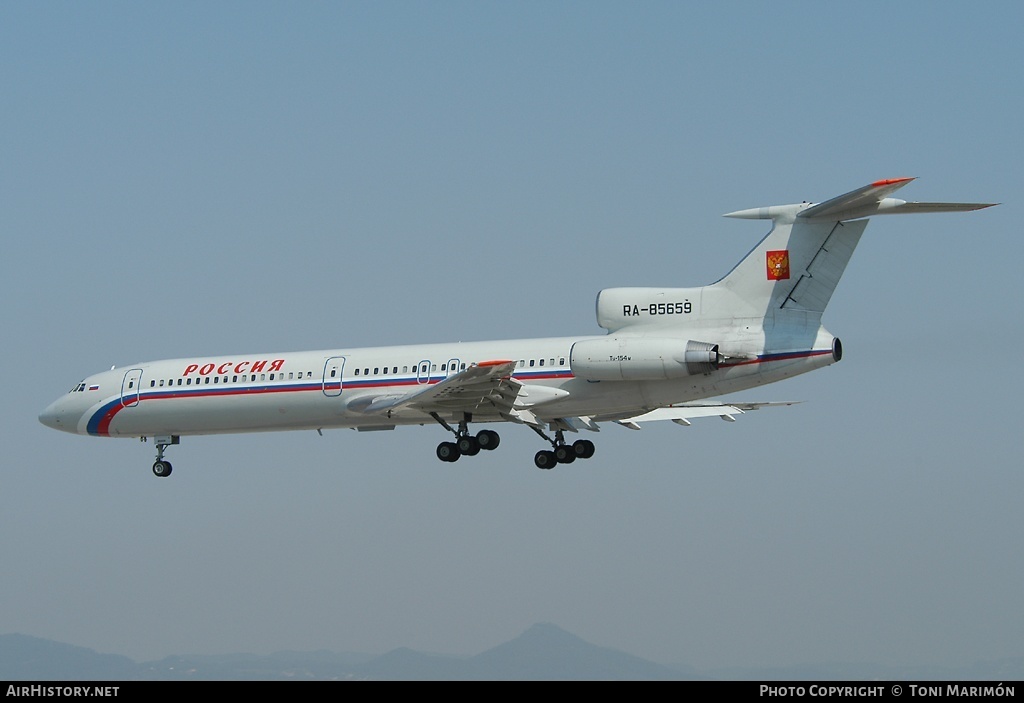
546, 627
548, 631
23, 657
547, 652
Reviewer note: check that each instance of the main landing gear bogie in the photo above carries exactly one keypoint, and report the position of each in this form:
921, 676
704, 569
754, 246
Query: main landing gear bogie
560, 452
465, 444
468, 445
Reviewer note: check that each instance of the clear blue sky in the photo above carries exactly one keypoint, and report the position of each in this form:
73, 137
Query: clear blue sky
205, 178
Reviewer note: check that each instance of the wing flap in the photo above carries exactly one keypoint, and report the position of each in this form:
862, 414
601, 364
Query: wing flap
683, 413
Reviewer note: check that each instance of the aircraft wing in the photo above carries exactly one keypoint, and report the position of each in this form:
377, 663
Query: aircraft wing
487, 384
682, 414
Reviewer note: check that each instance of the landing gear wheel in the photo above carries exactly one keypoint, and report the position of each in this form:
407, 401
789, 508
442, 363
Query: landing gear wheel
545, 460
162, 468
564, 454
583, 448
488, 439
468, 445
447, 451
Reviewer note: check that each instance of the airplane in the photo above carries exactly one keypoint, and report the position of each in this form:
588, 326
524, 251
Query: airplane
666, 353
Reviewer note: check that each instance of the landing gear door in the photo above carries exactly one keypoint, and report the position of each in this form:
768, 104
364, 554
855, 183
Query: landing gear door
333, 368
130, 387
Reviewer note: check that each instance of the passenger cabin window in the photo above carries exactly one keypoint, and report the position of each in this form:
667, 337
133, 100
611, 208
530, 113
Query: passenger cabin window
531, 363
541, 362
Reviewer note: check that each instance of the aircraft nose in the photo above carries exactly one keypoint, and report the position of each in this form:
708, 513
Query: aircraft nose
53, 416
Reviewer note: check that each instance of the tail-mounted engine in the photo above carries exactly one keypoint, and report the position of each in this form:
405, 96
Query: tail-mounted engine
641, 358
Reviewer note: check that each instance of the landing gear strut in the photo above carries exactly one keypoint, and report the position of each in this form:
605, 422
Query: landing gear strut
162, 468
465, 444
561, 453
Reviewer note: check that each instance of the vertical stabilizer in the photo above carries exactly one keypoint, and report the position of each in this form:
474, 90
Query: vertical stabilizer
798, 264
789, 276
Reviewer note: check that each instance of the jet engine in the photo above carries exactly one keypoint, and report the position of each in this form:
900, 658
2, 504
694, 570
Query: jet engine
641, 358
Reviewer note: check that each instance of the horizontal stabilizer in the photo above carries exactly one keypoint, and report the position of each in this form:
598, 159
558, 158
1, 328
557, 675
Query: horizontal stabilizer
867, 198
872, 199
911, 208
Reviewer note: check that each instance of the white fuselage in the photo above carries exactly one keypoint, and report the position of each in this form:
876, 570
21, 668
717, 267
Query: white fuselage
317, 389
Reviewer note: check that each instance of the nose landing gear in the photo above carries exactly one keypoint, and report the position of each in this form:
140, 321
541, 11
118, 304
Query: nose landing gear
163, 468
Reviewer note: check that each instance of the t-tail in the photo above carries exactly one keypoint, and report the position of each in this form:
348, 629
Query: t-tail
794, 268
768, 308
799, 263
